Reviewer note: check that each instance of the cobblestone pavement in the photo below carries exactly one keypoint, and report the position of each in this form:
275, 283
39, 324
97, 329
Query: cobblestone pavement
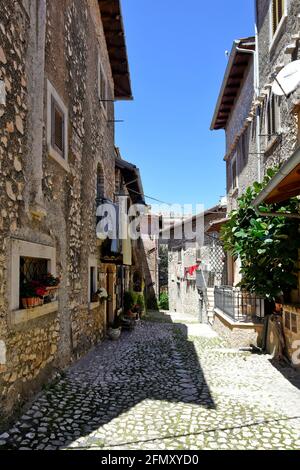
157, 388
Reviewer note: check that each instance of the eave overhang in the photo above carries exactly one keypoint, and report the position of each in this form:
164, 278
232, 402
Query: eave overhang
284, 185
133, 181
216, 225
113, 26
237, 65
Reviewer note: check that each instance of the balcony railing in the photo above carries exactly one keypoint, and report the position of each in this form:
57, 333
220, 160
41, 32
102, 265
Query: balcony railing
239, 305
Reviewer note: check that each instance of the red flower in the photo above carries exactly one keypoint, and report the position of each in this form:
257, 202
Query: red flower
40, 291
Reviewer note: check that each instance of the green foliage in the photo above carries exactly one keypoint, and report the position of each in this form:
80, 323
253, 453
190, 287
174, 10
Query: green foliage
152, 302
163, 265
267, 246
140, 301
164, 301
129, 300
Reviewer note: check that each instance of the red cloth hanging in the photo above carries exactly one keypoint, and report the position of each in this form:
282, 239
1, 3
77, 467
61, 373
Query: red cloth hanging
192, 269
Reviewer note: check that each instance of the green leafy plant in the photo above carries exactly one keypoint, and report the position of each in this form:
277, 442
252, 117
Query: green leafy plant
28, 290
129, 300
140, 302
164, 301
267, 246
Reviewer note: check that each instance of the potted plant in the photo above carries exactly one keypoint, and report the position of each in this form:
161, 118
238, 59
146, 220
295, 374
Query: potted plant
140, 305
102, 294
114, 330
51, 285
129, 301
32, 294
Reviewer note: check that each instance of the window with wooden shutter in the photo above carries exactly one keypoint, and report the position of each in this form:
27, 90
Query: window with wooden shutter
57, 128
278, 7
103, 87
272, 117
234, 180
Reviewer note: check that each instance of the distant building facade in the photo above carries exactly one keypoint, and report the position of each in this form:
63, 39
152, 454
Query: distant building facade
188, 261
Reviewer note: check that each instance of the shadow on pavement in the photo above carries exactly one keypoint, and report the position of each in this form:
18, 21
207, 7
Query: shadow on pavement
288, 372
154, 362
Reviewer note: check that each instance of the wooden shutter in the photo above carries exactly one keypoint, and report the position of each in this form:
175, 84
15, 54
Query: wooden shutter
277, 13
234, 174
274, 14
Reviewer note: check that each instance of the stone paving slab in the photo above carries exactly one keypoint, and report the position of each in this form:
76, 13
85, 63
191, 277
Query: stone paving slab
158, 388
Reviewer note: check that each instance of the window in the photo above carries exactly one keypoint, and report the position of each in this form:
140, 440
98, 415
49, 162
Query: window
294, 323
288, 320
243, 146
102, 87
92, 281
278, 12
100, 185
234, 181
29, 262
57, 127
272, 117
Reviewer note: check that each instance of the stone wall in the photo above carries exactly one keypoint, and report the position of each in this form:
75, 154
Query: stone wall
238, 335
273, 56
183, 293
39, 43
241, 141
31, 353
88, 327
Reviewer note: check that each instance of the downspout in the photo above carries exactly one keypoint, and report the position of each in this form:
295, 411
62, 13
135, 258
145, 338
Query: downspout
255, 54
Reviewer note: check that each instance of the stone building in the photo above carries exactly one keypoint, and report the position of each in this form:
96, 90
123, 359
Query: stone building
262, 130
62, 66
191, 251
278, 39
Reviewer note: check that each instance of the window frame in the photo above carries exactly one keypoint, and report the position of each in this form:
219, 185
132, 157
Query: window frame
233, 162
102, 79
54, 101
272, 119
92, 264
20, 249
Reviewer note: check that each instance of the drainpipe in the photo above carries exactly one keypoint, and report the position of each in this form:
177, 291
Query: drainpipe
255, 54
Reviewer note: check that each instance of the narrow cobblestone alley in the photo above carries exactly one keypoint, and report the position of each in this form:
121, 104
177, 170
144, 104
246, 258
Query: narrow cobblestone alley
167, 385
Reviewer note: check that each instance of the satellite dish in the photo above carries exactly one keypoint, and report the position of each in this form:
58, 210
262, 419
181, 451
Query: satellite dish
287, 80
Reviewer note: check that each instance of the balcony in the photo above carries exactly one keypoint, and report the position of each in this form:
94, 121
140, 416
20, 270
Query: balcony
239, 305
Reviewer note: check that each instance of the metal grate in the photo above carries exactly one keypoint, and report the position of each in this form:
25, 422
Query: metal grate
217, 259
239, 305
32, 269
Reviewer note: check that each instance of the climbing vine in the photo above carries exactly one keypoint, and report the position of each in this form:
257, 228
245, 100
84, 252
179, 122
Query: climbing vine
267, 246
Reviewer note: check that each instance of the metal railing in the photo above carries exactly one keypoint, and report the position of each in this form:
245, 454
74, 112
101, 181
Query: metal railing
239, 305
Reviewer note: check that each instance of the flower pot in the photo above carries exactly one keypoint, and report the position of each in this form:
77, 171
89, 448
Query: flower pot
24, 303
114, 333
31, 302
51, 292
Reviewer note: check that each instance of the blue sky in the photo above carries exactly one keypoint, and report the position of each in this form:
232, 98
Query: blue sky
177, 61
